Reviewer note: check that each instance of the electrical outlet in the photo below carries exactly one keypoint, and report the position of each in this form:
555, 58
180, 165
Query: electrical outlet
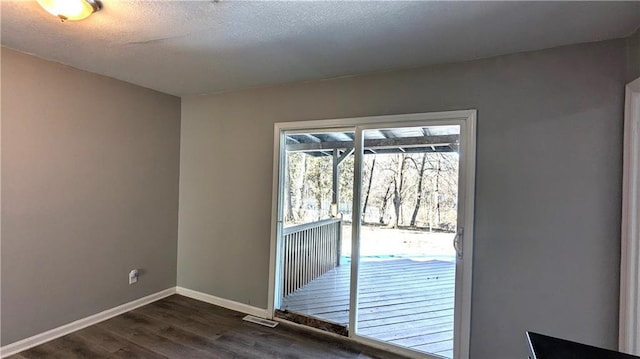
133, 276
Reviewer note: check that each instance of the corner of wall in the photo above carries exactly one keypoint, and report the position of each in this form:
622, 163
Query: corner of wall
633, 56
80, 187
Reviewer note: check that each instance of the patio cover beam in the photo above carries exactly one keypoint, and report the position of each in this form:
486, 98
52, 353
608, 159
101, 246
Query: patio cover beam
345, 154
406, 142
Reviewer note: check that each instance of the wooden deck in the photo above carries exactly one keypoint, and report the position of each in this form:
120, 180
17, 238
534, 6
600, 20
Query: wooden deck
403, 302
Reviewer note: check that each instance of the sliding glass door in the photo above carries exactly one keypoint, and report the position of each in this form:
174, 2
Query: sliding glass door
317, 201
370, 216
407, 260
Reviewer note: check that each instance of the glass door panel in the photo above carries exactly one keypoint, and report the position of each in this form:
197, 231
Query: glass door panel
316, 238
407, 260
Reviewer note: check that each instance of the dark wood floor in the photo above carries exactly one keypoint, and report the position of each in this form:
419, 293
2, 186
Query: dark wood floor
180, 327
403, 302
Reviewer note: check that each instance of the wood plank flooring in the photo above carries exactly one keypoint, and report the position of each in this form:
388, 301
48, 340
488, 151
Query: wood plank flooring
407, 303
180, 327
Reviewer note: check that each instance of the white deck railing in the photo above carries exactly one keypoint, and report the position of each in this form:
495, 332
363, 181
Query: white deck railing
310, 250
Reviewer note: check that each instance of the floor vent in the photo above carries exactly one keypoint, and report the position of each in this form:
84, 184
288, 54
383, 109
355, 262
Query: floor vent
265, 322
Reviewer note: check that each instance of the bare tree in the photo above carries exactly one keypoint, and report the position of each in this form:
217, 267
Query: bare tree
366, 197
303, 188
436, 195
318, 178
419, 189
383, 208
398, 184
289, 192
445, 172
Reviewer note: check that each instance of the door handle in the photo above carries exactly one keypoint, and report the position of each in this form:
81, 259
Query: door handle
457, 242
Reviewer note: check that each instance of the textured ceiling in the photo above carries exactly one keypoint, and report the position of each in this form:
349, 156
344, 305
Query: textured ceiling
192, 47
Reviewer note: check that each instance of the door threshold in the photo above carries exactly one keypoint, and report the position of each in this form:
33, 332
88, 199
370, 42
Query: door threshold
312, 322
364, 346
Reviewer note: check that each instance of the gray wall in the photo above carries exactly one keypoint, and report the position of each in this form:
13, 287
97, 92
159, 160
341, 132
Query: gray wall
89, 191
633, 55
547, 193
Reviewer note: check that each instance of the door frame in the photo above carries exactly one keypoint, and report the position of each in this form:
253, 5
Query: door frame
467, 121
629, 330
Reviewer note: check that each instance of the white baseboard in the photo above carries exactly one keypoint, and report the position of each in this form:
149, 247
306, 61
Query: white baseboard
41, 338
49, 335
221, 302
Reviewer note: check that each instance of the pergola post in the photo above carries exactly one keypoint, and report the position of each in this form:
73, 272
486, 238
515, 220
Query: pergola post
336, 183
337, 160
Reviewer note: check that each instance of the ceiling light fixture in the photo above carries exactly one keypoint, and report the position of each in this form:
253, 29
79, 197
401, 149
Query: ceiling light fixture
71, 9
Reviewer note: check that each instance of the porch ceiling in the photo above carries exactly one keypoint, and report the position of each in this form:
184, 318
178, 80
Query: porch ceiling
394, 140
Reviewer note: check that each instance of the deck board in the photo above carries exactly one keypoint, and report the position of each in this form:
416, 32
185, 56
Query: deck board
407, 303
